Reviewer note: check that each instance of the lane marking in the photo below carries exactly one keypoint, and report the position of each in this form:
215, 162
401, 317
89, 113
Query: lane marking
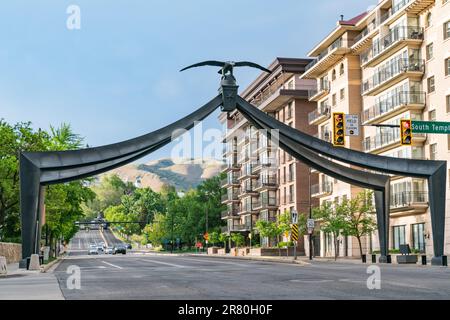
213, 261
165, 263
112, 265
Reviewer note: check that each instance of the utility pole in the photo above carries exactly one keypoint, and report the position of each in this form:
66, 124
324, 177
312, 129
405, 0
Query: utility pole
171, 245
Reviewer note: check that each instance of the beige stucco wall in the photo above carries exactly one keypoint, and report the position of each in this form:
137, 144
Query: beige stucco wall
12, 251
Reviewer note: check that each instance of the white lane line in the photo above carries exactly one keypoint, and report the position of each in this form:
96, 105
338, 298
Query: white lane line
213, 261
112, 265
165, 263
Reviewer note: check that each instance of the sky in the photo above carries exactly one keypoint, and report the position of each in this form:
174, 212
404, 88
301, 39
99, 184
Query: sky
118, 76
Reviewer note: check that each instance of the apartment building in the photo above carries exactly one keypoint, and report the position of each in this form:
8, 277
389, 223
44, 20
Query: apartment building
263, 180
395, 65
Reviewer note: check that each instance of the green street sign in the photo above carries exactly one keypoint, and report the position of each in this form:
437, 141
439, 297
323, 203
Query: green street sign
430, 127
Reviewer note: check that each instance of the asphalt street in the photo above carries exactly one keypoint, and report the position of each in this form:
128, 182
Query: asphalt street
138, 276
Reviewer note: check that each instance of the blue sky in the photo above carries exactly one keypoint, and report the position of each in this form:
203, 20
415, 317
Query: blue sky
117, 77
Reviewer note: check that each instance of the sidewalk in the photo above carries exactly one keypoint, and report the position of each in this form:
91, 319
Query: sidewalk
22, 284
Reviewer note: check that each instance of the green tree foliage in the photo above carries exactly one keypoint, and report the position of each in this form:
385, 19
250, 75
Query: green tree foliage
238, 239
214, 237
358, 216
62, 201
224, 237
331, 222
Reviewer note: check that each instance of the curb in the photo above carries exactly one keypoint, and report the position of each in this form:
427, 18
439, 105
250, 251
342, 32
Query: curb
46, 267
299, 262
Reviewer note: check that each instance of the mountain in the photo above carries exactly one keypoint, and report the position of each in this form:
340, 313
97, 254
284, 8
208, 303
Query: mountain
182, 176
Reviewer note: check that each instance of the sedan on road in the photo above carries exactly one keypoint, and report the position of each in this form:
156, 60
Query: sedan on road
92, 250
109, 250
120, 249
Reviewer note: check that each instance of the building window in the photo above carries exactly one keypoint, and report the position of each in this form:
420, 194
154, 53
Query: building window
418, 237
447, 66
341, 69
447, 30
433, 151
432, 115
430, 82
289, 110
447, 100
429, 20
333, 99
333, 74
399, 236
342, 94
291, 193
430, 51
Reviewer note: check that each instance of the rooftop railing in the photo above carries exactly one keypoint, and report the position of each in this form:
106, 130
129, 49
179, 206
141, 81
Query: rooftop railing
337, 44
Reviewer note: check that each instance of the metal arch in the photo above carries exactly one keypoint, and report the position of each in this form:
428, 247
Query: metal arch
377, 182
434, 171
38, 169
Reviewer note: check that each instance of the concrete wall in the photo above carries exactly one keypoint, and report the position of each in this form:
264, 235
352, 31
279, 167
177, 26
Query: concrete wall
12, 251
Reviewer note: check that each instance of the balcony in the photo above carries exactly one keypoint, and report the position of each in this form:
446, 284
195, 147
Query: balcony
249, 207
320, 115
418, 6
394, 105
397, 38
318, 93
278, 95
261, 164
322, 189
409, 202
230, 197
229, 149
265, 203
326, 59
231, 212
230, 182
248, 189
389, 140
233, 166
241, 227
247, 172
392, 74
393, 11
364, 39
266, 182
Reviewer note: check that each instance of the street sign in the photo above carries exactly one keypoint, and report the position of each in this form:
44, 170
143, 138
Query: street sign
430, 127
294, 216
294, 232
206, 236
199, 245
351, 125
310, 225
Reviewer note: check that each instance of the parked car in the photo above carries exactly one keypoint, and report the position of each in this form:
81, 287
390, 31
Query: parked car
100, 248
129, 247
109, 250
120, 249
93, 249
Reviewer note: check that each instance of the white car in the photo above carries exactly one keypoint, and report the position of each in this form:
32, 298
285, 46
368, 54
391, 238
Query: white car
92, 250
109, 250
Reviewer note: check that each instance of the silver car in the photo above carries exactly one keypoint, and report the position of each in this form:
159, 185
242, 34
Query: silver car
92, 249
109, 250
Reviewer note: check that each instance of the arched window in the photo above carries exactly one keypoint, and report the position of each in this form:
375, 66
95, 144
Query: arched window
429, 20
341, 69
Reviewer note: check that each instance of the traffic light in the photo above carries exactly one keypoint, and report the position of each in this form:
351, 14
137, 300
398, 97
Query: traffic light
338, 129
405, 132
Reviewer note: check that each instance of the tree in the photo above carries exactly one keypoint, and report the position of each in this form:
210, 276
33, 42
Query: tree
238, 239
14, 139
214, 237
358, 216
223, 237
332, 222
283, 225
158, 230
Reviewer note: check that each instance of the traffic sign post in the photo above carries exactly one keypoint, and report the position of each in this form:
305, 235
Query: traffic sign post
351, 125
294, 237
294, 216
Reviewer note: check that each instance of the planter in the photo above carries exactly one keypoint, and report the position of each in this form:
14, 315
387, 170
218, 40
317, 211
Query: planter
221, 251
233, 251
213, 250
243, 251
270, 252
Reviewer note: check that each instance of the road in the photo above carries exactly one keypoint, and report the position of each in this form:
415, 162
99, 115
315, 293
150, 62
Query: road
81, 241
137, 276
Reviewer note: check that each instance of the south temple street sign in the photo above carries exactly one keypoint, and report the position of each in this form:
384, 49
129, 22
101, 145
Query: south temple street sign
430, 127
